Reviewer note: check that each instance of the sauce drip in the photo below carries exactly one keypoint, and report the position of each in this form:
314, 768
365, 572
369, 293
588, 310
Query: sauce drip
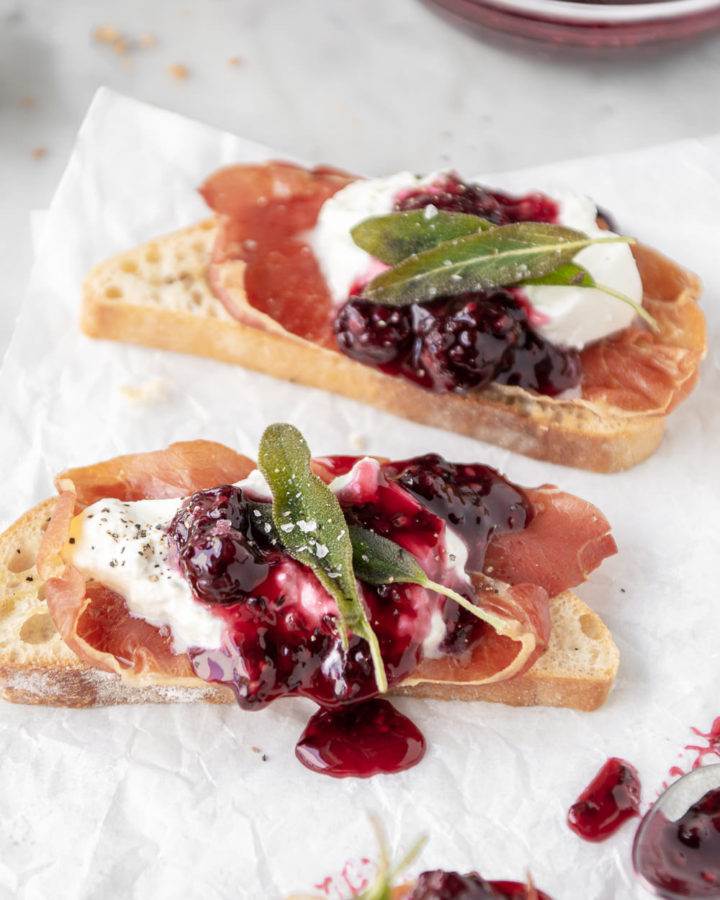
611, 798
359, 741
684, 856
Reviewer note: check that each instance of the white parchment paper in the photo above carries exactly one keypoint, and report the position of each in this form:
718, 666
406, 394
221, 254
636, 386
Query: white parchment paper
195, 801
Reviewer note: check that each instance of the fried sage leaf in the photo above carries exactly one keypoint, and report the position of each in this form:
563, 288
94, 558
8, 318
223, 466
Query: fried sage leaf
377, 560
313, 530
381, 887
571, 274
508, 254
395, 236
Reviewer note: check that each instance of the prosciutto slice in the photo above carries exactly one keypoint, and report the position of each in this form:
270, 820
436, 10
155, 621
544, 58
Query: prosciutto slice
566, 539
262, 269
642, 371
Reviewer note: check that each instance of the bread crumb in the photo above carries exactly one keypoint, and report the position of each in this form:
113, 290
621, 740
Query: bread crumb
147, 40
121, 45
148, 394
357, 440
106, 34
38, 153
179, 71
29, 101
235, 61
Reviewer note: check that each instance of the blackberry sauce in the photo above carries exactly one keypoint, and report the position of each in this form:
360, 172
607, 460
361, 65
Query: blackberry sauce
361, 740
450, 194
440, 885
457, 344
281, 637
610, 799
684, 856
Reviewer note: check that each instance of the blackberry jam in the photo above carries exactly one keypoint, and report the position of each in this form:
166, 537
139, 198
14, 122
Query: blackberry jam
461, 343
281, 636
450, 194
457, 344
683, 856
440, 885
361, 740
610, 799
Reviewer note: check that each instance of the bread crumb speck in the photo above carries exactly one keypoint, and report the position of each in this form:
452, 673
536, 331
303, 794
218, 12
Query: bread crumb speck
179, 71
106, 34
28, 101
38, 153
357, 440
121, 46
147, 40
235, 61
148, 394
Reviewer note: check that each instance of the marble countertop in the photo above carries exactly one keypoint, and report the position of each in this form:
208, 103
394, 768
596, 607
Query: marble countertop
372, 86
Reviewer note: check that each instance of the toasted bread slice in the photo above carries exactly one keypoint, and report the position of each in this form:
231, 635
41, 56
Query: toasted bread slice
159, 295
37, 667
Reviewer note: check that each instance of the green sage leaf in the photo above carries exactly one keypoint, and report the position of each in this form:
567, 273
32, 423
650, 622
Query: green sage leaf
381, 887
312, 527
569, 275
378, 560
394, 237
572, 274
508, 254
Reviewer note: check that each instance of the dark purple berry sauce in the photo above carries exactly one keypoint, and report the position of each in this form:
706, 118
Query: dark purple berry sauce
611, 798
440, 885
473, 499
457, 344
280, 623
360, 740
683, 857
276, 644
450, 194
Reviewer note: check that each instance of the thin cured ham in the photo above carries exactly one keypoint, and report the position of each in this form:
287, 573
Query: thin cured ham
262, 269
639, 370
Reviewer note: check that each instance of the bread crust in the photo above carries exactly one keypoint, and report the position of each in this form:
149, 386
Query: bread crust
36, 667
126, 299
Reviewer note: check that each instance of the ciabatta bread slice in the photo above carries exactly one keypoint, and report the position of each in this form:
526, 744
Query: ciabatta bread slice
36, 666
159, 295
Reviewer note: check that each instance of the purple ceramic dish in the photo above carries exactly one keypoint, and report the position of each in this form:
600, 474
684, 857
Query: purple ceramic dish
587, 23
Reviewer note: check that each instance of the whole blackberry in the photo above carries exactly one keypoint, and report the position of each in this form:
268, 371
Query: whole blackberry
371, 333
465, 341
211, 532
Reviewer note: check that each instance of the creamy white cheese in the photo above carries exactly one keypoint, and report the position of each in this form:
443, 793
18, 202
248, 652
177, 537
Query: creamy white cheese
578, 316
340, 258
568, 316
125, 546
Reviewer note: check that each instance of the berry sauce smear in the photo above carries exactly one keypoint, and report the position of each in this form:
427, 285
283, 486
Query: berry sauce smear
457, 344
611, 798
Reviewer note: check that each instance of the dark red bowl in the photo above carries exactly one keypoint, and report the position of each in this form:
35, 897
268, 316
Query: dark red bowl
587, 23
